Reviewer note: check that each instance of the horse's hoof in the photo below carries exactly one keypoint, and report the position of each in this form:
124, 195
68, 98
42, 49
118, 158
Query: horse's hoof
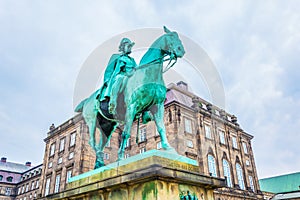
98, 165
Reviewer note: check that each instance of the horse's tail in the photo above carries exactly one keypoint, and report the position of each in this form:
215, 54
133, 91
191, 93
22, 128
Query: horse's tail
79, 107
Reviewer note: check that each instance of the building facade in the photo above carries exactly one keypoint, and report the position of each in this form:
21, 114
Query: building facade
195, 128
19, 181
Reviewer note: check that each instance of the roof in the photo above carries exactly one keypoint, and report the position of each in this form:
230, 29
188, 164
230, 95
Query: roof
281, 184
178, 95
13, 167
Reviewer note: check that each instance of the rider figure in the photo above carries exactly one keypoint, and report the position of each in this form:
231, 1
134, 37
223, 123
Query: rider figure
119, 68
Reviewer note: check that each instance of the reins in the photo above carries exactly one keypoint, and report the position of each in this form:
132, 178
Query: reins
158, 60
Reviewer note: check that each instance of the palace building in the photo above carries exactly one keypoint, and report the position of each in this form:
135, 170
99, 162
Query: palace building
195, 128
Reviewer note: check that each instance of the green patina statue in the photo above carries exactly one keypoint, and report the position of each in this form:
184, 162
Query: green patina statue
129, 91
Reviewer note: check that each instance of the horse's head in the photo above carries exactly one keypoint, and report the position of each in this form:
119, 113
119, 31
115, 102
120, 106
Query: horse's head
173, 45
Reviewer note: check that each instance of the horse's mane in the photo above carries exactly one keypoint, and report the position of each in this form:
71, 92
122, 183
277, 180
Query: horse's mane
152, 49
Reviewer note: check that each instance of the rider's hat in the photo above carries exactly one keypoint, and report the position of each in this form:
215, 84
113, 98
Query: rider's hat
126, 40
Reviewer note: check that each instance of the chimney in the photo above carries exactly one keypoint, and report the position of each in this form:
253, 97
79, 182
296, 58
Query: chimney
3, 159
28, 164
182, 85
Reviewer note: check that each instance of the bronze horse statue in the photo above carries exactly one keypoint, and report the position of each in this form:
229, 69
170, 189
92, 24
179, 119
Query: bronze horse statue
145, 91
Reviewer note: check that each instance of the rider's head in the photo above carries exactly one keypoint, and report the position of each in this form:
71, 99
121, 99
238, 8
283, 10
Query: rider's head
125, 46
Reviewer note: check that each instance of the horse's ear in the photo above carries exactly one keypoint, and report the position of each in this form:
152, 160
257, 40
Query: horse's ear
166, 30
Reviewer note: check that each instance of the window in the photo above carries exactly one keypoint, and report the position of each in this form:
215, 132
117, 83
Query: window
69, 175
37, 184
34, 195
23, 189
158, 145
189, 143
57, 183
212, 166
156, 132
222, 137
251, 183
71, 155
8, 191
106, 156
127, 155
49, 165
62, 144
247, 163
142, 135
234, 143
239, 173
52, 149
127, 143
19, 190
107, 143
1, 177
245, 148
47, 188
32, 185
207, 131
27, 187
9, 179
72, 139
60, 160
188, 125
142, 150
227, 175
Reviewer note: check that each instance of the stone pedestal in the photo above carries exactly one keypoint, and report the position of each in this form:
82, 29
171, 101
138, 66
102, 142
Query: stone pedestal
153, 175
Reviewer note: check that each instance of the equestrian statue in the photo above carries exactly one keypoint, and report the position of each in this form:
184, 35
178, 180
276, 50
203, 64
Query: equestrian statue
130, 91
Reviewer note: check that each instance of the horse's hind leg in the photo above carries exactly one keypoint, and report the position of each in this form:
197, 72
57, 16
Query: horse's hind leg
158, 114
99, 150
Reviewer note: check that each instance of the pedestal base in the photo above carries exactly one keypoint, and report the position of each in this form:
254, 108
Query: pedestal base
153, 175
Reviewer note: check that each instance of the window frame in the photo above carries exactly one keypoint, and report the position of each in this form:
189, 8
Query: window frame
57, 183
62, 143
240, 176
207, 130
245, 147
143, 134
188, 125
212, 168
72, 139
234, 142
52, 149
222, 137
227, 172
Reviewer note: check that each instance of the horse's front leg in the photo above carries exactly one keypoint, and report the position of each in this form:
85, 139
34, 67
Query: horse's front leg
158, 114
130, 113
91, 122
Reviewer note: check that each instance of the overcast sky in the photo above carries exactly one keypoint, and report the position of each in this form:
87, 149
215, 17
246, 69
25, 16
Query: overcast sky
255, 46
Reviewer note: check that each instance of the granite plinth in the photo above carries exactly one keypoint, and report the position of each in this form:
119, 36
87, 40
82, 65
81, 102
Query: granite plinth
153, 175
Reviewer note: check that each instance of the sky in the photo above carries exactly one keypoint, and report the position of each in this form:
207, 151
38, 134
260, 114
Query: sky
254, 45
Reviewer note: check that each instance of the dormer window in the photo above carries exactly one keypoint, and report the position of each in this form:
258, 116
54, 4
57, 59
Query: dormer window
9, 179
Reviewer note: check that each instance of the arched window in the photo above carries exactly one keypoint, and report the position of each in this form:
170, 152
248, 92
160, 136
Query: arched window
9, 179
1, 177
239, 173
212, 165
227, 174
